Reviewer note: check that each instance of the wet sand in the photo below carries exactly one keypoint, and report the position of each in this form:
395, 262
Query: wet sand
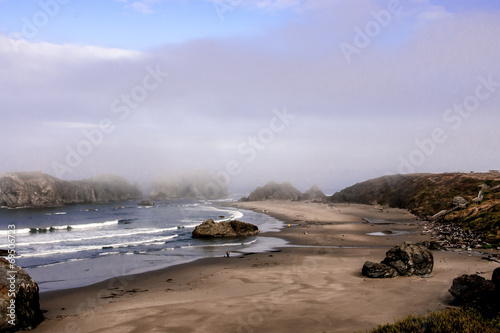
313, 285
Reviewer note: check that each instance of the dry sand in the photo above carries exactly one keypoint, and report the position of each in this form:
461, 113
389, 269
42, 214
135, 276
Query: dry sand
313, 286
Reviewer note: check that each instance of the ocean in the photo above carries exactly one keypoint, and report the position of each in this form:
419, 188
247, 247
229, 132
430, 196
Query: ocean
79, 245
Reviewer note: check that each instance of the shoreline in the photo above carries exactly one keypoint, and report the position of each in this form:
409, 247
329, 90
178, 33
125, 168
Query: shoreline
315, 284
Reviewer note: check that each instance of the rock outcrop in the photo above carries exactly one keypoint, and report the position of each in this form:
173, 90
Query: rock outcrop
314, 193
194, 185
477, 292
405, 259
39, 190
19, 299
471, 289
274, 191
284, 191
410, 259
211, 229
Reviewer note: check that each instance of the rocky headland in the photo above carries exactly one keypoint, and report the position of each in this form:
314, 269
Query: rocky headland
284, 191
194, 185
463, 209
39, 190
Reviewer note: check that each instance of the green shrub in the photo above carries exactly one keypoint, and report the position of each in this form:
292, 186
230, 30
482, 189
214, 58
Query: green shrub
447, 321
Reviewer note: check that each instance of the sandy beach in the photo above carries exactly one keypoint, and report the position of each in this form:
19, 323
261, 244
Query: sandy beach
312, 285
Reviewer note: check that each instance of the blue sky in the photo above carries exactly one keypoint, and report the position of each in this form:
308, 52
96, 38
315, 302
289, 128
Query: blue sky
309, 91
137, 25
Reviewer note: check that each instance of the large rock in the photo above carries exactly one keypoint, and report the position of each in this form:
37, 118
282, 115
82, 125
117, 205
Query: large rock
378, 270
211, 229
471, 289
22, 292
38, 190
410, 259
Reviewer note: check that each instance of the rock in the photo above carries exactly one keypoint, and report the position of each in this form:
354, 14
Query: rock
378, 270
24, 292
38, 190
471, 290
460, 202
146, 203
274, 191
431, 245
410, 259
211, 229
314, 193
495, 278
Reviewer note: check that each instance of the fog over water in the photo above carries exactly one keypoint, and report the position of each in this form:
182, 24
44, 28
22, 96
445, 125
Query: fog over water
325, 92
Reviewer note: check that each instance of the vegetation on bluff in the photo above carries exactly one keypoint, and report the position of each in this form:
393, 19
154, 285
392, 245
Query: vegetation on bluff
427, 194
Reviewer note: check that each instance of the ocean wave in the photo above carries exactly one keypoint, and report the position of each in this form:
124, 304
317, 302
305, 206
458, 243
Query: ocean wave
136, 232
15, 231
95, 225
57, 213
145, 242
211, 245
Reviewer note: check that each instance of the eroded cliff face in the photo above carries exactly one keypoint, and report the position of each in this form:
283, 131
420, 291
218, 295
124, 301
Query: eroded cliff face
38, 190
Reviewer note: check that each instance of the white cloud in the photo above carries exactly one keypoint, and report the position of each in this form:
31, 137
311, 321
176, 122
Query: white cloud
44, 49
433, 13
142, 7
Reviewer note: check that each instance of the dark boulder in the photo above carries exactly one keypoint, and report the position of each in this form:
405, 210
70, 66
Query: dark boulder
19, 289
476, 292
378, 270
410, 259
211, 229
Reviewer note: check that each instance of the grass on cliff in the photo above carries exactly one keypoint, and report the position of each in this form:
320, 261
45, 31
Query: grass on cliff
447, 321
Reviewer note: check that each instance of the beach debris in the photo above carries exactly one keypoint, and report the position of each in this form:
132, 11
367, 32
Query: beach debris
450, 236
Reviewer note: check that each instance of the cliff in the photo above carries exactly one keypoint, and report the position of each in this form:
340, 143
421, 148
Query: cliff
38, 190
283, 191
471, 200
193, 185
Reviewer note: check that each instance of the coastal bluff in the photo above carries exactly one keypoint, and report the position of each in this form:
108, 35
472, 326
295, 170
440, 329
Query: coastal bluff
39, 190
469, 200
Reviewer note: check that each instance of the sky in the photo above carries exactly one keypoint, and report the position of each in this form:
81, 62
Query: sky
306, 91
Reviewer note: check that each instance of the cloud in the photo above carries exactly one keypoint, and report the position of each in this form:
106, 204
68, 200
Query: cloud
352, 121
433, 13
143, 7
